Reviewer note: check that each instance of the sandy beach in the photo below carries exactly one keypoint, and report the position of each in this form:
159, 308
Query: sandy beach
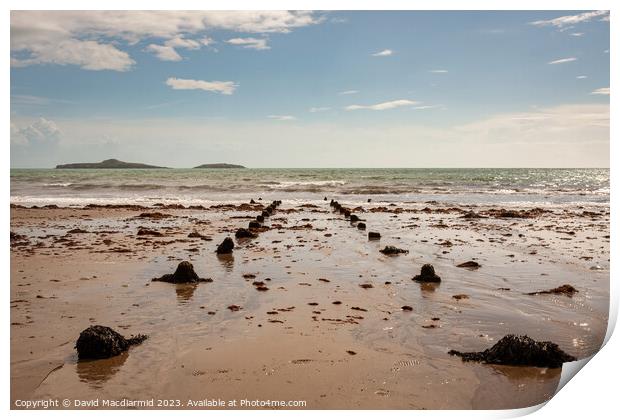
315, 335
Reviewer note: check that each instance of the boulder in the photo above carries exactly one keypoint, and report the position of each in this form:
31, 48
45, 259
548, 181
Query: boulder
519, 351
99, 342
226, 247
183, 274
427, 275
244, 233
361, 226
374, 235
254, 225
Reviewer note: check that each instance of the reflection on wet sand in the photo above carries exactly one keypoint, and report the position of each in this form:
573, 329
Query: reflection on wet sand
227, 261
185, 292
428, 288
530, 386
520, 373
96, 372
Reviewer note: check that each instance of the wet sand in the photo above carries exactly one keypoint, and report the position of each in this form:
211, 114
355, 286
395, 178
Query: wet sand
292, 342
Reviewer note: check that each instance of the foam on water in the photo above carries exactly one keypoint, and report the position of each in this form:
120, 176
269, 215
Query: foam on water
556, 187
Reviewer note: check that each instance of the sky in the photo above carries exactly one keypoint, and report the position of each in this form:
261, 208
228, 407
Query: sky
311, 89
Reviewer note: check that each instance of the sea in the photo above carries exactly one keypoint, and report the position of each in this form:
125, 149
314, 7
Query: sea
501, 187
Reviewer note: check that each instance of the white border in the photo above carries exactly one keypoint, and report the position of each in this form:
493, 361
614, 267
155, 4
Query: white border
592, 394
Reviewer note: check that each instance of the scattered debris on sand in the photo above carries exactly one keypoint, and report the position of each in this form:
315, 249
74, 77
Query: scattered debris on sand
392, 250
427, 274
77, 230
153, 215
461, 296
148, 232
99, 342
184, 274
469, 264
196, 234
472, 215
260, 286
17, 237
519, 351
516, 214
565, 289
226, 247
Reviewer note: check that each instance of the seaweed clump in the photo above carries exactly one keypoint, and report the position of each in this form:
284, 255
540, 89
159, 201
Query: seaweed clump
519, 351
184, 274
99, 342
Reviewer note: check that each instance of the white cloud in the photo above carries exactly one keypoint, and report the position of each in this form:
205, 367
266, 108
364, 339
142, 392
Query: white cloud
206, 41
89, 55
348, 92
563, 21
29, 100
225, 88
42, 133
383, 53
180, 42
282, 117
600, 91
438, 71
93, 40
252, 43
421, 107
168, 52
563, 60
550, 123
577, 34
164, 53
319, 109
382, 106
582, 77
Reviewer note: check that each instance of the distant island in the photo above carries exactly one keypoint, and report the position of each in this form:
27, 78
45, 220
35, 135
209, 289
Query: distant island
108, 164
219, 166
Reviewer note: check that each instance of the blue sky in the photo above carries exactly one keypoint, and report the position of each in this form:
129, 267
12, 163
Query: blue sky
311, 89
